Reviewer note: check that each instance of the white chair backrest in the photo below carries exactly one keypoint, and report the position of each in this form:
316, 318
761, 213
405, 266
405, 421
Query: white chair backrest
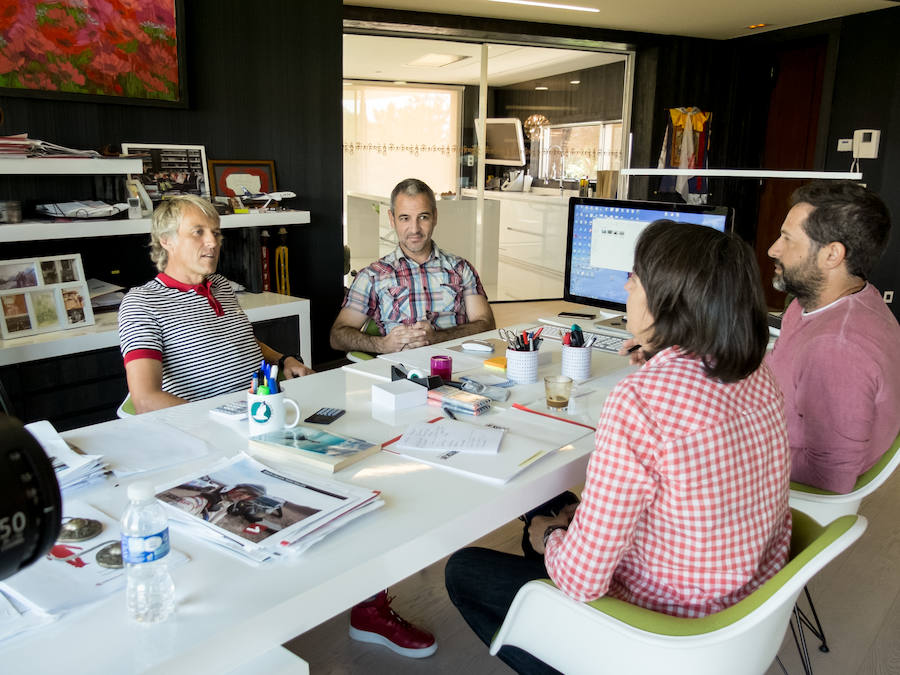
575, 638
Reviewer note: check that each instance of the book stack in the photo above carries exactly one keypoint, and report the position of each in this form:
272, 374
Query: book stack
308, 447
458, 401
260, 514
20, 146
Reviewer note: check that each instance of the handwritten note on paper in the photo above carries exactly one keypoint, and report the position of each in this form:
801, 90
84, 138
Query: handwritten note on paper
451, 436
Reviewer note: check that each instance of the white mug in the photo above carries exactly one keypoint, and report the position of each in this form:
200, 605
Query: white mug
265, 412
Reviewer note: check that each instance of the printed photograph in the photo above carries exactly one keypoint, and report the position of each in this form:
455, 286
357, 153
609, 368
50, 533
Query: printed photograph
15, 313
49, 272
18, 275
44, 305
246, 509
171, 169
74, 304
67, 270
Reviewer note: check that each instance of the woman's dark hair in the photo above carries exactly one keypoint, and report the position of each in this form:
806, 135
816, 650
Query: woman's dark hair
704, 293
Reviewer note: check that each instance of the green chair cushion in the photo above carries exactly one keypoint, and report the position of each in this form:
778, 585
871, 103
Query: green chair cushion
808, 539
128, 406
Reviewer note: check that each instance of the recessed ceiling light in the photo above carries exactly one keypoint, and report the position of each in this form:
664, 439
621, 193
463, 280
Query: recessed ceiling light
348, 84
574, 81
753, 26
399, 81
541, 88
552, 5
436, 60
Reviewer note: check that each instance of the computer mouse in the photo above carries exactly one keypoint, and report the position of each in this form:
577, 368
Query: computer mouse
477, 346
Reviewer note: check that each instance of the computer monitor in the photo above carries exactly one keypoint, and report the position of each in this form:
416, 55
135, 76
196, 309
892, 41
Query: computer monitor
601, 238
505, 143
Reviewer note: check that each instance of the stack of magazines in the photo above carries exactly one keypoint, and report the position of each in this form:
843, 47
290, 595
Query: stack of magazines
20, 146
72, 467
259, 513
458, 401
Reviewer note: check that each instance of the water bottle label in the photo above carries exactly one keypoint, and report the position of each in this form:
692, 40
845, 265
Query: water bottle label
145, 549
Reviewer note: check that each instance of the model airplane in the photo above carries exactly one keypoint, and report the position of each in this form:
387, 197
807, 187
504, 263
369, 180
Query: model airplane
267, 196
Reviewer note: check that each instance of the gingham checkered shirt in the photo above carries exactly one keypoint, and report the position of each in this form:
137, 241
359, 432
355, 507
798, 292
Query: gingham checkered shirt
396, 290
685, 507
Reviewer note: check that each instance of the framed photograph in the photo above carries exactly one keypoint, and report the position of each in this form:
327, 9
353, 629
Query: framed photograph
171, 169
235, 178
18, 274
94, 51
45, 294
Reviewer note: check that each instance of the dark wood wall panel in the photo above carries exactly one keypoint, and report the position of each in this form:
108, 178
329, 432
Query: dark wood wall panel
264, 83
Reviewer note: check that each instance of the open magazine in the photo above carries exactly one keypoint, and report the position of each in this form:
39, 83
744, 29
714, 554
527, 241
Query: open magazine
260, 513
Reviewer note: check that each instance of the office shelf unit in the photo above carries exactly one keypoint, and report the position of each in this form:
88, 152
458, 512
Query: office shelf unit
76, 377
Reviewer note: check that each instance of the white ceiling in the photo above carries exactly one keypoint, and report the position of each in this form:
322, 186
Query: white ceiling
716, 19
368, 57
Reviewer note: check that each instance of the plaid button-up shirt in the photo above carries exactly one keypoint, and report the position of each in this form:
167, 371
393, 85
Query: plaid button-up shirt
396, 290
685, 507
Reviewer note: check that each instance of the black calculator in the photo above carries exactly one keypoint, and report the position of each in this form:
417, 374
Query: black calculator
325, 416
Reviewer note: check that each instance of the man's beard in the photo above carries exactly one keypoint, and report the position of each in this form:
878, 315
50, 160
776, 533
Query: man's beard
804, 281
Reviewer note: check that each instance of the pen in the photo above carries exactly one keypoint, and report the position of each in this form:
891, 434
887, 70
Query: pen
448, 413
254, 383
631, 350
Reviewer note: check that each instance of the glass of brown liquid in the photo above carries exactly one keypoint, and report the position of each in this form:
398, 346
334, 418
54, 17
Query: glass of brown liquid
558, 389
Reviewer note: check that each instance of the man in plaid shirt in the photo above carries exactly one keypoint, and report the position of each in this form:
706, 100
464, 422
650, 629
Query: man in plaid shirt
685, 506
418, 294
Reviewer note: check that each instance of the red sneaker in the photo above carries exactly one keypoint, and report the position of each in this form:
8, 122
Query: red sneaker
374, 621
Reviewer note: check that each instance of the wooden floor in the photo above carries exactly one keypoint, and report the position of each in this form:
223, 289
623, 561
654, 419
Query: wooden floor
857, 597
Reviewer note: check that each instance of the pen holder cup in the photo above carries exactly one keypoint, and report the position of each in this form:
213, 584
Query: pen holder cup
522, 367
576, 362
265, 412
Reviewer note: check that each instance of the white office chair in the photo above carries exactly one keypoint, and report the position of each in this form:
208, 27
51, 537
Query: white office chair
825, 506
612, 636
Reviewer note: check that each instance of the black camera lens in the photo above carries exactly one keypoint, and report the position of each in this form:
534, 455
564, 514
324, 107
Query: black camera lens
30, 504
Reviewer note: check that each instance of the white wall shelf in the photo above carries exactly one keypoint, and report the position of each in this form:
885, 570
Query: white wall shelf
70, 165
745, 173
38, 230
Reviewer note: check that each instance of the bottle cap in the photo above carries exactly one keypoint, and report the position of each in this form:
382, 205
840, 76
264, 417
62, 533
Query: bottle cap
140, 491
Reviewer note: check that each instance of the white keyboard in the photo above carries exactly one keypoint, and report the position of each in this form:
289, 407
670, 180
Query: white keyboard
605, 343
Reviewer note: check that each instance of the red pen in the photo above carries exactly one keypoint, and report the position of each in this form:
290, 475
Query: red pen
537, 333
566, 340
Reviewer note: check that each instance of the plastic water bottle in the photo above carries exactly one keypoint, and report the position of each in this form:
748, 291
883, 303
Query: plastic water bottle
150, 592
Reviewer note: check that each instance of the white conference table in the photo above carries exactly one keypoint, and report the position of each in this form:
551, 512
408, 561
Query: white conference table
233, 617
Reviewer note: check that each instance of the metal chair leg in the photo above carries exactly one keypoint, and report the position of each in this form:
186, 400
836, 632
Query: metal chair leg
816, 629
800, 641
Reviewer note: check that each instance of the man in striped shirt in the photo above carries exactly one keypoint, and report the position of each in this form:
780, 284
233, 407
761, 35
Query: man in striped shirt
183, 334
418, 294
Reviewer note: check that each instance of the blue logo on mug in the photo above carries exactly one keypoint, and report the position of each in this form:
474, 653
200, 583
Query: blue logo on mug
260, 412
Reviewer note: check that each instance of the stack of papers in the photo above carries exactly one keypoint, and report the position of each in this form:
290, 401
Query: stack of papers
89, 208
72, 467
71, 575
528, 437
260, 514
20, 145
451, 436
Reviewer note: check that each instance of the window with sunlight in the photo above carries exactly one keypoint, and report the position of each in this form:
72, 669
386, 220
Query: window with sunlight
392, 132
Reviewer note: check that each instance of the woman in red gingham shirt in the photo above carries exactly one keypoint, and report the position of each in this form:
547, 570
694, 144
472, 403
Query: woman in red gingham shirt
685, 506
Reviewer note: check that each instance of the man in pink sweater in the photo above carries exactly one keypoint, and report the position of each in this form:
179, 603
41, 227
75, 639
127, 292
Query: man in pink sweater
836, 359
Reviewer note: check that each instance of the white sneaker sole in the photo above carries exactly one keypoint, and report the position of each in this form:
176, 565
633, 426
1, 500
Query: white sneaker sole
375, 638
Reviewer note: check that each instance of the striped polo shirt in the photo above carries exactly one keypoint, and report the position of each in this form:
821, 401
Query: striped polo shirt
200, 333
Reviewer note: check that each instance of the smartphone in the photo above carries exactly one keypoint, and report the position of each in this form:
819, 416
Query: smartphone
578, 315
325, 415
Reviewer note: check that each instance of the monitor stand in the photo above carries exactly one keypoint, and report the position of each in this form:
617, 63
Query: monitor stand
613, 326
